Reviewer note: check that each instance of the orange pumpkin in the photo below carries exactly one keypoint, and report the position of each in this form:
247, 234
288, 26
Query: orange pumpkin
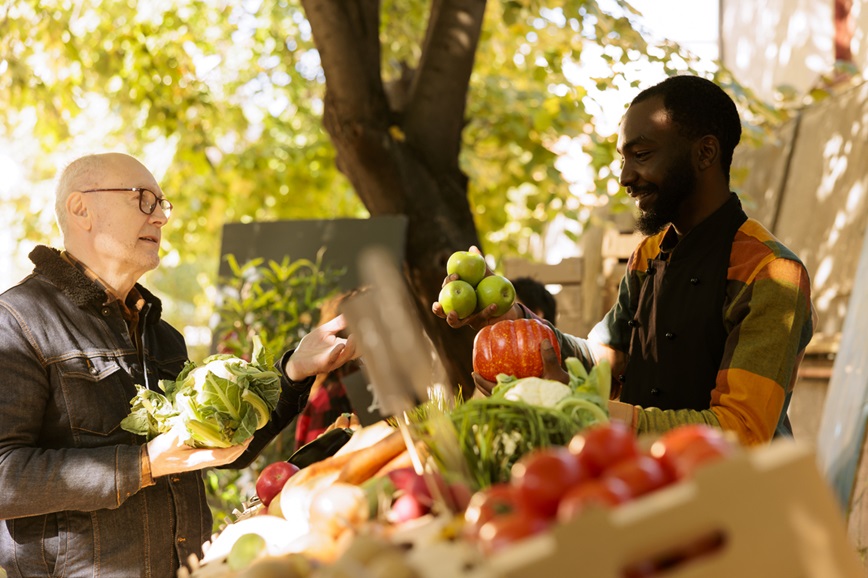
512, 347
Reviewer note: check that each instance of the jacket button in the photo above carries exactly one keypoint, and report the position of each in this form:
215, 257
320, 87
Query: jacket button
181, 540
93, 370
655, 391
105, 311
670, 335
694, 280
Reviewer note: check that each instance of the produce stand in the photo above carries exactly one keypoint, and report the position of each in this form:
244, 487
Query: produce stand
763, 511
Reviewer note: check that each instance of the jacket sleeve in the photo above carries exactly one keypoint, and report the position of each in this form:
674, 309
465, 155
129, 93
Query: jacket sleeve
293, 398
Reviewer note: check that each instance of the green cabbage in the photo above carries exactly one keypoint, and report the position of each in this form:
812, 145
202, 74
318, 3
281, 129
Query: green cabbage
217, 404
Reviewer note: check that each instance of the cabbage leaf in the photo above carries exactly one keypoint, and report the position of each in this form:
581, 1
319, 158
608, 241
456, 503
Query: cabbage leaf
218, 403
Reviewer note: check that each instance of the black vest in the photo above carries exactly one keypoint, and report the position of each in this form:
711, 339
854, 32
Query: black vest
678, 334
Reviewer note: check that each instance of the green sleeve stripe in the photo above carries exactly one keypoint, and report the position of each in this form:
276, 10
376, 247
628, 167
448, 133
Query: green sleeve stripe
653, 420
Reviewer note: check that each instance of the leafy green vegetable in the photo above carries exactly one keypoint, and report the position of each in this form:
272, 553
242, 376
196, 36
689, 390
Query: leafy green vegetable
494, 432
219, 403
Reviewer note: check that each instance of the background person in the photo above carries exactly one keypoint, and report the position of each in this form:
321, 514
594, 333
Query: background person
714, 313
536, 297
328, 406
79, 496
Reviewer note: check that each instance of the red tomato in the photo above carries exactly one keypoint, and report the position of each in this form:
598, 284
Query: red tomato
512, 347
642, 474
604, 493
542, 477
502, 531
685, 448
602, 446
493, 501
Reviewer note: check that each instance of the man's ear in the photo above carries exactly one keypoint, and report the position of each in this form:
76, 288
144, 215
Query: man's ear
76, 210
708, 152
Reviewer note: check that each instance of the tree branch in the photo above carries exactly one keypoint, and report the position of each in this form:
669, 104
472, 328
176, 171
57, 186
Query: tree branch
346, 34
435, 116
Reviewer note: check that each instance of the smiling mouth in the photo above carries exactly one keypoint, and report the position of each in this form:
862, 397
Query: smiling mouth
637, 193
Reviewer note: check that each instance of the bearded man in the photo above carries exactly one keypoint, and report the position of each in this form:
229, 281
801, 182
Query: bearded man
713, 313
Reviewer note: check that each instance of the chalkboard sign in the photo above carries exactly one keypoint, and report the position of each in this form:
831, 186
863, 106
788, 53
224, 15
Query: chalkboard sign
343, 239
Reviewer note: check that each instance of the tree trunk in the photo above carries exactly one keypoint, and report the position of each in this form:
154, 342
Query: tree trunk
401, 155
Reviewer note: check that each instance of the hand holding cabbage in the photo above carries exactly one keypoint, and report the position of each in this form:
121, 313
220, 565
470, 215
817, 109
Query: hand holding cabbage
217, 404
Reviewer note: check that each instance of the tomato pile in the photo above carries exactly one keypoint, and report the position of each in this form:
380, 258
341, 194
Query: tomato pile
603, 467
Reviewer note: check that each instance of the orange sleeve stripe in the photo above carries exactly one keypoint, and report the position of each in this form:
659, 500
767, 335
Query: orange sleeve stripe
747, 404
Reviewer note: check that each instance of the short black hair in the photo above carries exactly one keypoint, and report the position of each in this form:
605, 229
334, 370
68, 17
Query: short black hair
537, 298
699, 107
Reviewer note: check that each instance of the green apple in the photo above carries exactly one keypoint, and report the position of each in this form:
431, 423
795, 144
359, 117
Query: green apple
458, 296
495, 289
469, 267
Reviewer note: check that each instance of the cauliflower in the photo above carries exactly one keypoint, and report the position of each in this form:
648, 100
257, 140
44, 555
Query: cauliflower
538, 391
220, 403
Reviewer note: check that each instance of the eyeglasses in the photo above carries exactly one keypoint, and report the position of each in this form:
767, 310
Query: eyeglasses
148, 200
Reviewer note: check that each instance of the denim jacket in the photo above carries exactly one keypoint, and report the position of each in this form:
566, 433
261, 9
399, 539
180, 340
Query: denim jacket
71, 501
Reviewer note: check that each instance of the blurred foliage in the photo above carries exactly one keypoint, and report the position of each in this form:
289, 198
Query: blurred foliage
227, 97
280, 303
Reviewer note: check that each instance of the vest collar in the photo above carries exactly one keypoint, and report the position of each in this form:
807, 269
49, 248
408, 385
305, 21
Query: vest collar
709, 231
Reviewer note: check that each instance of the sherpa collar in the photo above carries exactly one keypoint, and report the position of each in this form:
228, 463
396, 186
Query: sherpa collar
80, 290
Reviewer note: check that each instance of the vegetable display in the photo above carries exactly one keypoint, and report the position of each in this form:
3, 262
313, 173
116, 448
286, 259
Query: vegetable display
603, 466
217, 404
511, 347
522, 415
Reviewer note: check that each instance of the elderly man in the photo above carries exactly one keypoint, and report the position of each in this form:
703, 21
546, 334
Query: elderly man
79, 496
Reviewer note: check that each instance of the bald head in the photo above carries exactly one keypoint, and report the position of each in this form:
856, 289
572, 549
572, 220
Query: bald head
84, 173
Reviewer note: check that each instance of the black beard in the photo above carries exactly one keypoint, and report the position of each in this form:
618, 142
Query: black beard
677, 185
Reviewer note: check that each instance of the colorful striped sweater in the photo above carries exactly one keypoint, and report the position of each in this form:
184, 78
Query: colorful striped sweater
768, 319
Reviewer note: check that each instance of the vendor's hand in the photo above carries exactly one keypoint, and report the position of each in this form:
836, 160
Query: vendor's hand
552, 368
321, 351
170, 455
483, 385
476, 320
345, 421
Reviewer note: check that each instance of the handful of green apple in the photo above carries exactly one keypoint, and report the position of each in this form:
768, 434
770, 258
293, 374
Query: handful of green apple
473, 291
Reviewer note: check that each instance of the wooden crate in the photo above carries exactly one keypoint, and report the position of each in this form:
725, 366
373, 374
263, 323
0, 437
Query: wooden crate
589, 284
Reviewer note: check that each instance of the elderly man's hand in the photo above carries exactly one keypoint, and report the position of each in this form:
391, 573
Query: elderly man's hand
322, 351
170, 455
345, 421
